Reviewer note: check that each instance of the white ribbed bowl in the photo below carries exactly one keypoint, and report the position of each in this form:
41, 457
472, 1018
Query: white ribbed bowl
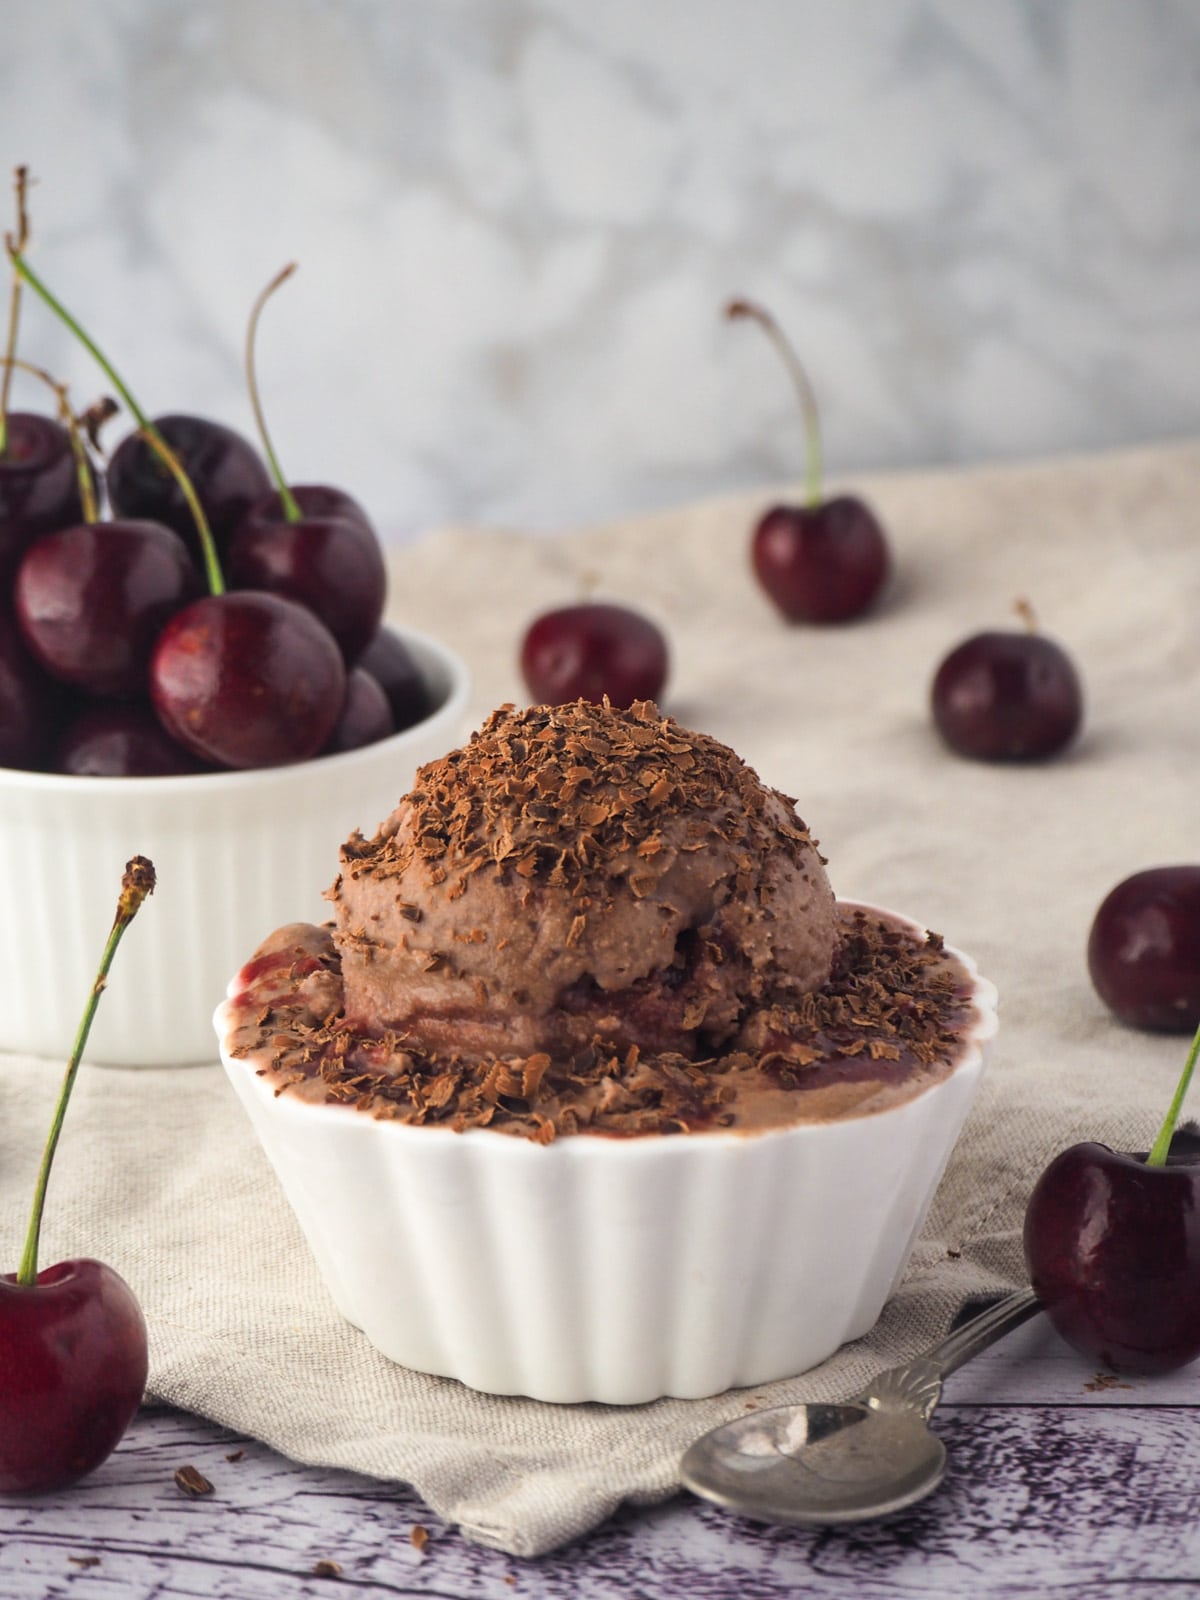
613, 1270
235, 852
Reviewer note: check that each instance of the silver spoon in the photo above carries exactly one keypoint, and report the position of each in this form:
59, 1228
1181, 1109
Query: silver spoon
864, 1458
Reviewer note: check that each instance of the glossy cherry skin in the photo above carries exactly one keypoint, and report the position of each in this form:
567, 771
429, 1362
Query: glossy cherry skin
39, 487
823, 563
1113, 1251
587, 651
389, 660
247, 680
32, 705
91, 599
331, 564
1007, 696
225, 470
72, 1375
1143, 950
365, 717
108, 739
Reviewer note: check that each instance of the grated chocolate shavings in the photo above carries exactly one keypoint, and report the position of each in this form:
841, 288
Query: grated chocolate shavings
485, 805
894, 1006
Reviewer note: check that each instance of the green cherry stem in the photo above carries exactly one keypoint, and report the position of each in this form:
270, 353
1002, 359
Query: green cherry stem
20, 184
1161, 1145
146, 428
137, 883
738, 309
87, 492
287, 499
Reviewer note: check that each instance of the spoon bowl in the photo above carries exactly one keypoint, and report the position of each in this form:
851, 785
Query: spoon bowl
866, 1457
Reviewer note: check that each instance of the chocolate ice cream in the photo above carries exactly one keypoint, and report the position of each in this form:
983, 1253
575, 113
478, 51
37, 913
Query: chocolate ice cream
578, 872
595, 920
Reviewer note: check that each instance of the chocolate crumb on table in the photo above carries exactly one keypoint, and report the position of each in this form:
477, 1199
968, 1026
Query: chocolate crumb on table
192, 1482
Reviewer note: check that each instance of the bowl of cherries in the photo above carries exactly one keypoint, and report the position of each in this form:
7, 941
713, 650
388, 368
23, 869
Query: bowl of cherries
203, 673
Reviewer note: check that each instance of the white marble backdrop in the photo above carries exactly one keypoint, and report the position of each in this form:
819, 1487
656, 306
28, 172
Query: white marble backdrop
518, 220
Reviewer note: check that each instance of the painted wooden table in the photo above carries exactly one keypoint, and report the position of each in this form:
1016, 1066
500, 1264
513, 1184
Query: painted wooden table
1062, 1480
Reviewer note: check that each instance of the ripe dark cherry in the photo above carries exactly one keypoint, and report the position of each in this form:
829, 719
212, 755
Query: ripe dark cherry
248, 680
365, 717
75, 1364
389, 660
1007, 696
91, 599
226, 472
587, 651
331, 564
31, 704
39, 489
1143, 949
1113, 1251
822, 563
111, 740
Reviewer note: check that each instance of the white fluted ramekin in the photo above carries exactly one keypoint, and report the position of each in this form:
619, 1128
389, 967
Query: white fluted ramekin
608, 1269
235, 852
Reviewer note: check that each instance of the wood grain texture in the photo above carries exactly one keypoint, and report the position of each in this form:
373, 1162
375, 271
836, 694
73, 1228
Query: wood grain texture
1090, 1501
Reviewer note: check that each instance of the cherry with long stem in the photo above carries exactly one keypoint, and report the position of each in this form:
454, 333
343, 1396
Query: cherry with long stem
1112, 1244
212, 565
824, 560
74, 1337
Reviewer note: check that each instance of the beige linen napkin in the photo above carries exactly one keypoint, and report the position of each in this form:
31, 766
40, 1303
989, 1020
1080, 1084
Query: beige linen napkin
159, 1174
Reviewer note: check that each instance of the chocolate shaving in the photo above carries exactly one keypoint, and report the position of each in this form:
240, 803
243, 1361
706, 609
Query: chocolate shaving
894, 1005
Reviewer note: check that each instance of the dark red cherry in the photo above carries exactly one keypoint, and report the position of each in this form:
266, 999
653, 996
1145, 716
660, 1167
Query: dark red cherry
112, 740
72, 1336
587, 651
365, 717
248, 679
389, 660
821, 563
90, 600
331, 564
1112, 1245
1143, 950
226, 472
39, 488
32, 705
1007, 696
74, 1367
828, 559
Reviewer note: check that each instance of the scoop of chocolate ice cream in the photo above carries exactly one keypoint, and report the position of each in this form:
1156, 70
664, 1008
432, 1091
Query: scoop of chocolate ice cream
578, 873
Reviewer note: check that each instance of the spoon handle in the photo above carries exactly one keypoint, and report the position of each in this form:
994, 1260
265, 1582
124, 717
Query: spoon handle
917, 1385
983, 1330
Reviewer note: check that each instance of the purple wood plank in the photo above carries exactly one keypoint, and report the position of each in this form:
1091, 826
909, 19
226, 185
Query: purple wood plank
1040, 1499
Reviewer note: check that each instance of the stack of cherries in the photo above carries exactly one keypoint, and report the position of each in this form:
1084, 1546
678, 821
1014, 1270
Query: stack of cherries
215, 618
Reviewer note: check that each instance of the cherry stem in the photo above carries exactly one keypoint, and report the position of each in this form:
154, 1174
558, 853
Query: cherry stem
1161, 1146
136, 884
808, 400
87, 492
1027, 614
20, 184
146, 429
291, 509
